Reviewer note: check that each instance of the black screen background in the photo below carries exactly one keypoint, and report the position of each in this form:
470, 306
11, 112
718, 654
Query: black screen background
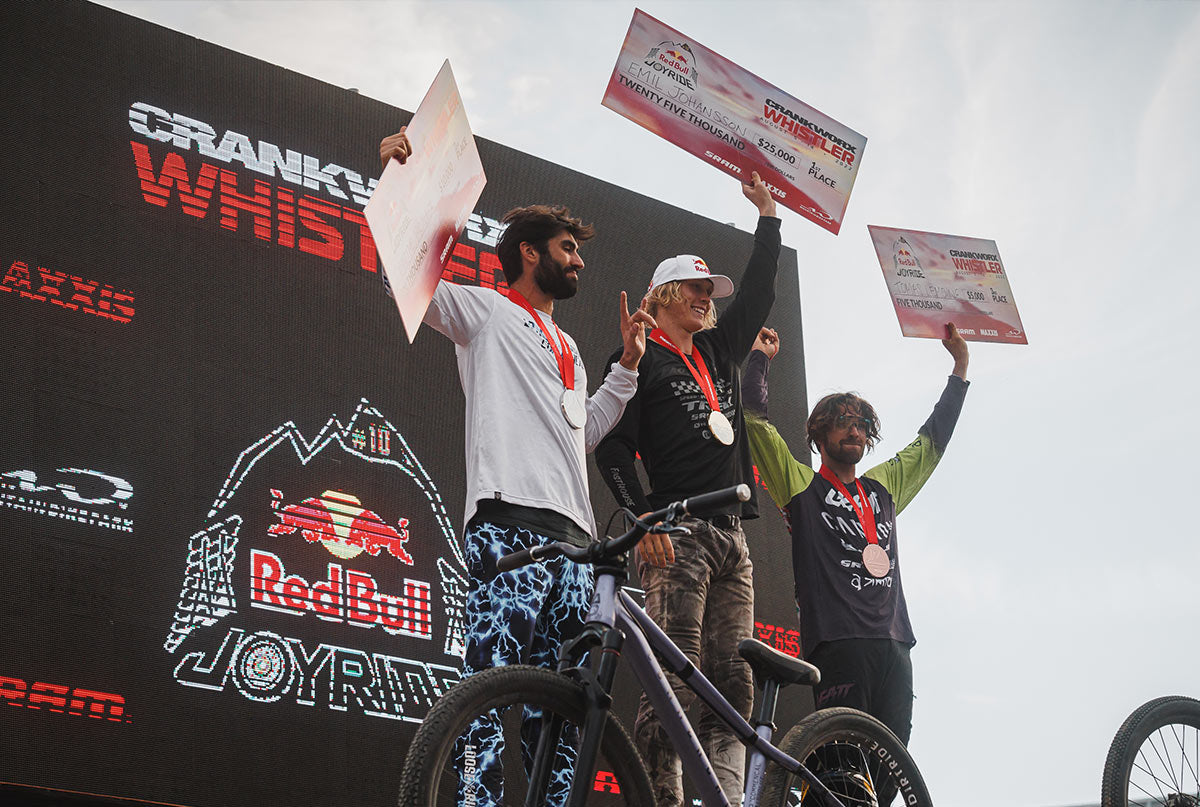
233, 336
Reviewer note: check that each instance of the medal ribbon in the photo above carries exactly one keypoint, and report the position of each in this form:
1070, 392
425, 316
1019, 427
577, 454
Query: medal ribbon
564, 357
703, 377
866, 515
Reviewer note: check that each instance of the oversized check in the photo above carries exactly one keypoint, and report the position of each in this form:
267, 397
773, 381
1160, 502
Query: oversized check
419, 209
732, 119
935, 279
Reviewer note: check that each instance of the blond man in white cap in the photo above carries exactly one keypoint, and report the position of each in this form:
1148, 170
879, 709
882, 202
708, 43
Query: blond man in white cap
685, 421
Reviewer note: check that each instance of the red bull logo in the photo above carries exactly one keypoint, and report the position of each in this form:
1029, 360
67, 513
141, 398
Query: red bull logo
338, 521
676, 61
345, 595
907, 264
701, 266
348, 605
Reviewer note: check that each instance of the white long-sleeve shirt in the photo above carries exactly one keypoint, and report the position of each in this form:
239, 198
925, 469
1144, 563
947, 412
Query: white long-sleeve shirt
520, 448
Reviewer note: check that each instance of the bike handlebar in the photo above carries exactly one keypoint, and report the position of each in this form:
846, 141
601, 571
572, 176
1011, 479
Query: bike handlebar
669, 516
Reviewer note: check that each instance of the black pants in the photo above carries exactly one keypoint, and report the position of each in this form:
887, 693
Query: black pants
871, 675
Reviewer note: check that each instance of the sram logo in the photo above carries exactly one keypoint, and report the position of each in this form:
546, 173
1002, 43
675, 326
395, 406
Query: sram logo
63, 699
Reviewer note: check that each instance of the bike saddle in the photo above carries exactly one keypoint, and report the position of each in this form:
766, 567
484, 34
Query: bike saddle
766, 662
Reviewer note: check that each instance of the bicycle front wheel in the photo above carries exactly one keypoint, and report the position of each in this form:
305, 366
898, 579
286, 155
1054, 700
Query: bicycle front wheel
478, 742
858, 758
1154, 758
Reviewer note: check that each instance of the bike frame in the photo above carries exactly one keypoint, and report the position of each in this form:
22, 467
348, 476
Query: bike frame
615, 622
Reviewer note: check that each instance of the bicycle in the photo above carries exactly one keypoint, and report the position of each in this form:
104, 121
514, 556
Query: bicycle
832, 758
1154, 758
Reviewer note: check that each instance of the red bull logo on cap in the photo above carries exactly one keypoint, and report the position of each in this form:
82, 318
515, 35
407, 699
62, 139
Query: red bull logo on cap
339, 522
701, 266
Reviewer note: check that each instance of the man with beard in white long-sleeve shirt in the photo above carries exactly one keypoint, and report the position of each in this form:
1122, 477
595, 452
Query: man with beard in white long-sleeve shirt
529, 424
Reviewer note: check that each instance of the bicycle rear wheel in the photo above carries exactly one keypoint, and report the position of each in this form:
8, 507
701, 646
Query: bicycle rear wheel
1154, 758
440, 759
862, 762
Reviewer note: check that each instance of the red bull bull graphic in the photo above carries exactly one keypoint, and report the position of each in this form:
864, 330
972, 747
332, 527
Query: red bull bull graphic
338, 522
267, 612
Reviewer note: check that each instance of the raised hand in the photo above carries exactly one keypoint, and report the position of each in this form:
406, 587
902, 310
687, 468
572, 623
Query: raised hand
757, 192
633, 333
767, 341
957, 347
397, 146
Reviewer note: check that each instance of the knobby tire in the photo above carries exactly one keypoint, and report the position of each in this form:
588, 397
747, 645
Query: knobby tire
1154, 758
858, 758
428, 778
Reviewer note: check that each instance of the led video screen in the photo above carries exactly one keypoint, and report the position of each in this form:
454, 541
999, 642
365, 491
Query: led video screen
231, 493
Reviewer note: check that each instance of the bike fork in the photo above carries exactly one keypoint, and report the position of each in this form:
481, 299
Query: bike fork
596, 685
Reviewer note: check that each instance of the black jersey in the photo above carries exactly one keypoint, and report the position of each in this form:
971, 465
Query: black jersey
666, 421
837, 597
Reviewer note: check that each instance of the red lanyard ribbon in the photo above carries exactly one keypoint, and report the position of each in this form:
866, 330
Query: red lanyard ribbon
564, 357
699, 372
866, 515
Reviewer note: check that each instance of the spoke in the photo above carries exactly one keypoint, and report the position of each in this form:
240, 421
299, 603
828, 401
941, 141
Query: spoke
1147, 792
1184, 760
1162, 797
1164, 756
1157, 768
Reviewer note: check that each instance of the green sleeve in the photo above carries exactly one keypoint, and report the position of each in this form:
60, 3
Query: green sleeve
904, 474
784, 475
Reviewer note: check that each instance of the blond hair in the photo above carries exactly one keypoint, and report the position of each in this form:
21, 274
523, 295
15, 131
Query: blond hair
669, 293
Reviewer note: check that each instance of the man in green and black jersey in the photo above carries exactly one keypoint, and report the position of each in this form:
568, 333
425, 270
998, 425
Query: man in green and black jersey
854, 622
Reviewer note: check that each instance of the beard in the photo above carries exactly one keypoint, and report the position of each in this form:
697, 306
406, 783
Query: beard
551, 277
847, 454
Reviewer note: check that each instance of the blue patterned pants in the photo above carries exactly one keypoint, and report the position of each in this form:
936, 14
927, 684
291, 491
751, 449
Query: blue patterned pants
517, 617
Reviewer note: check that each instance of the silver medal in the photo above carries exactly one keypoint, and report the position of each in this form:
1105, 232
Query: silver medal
573, 408
720, 427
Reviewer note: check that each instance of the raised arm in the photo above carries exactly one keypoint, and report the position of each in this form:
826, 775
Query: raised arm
457, 312
739, 324
784, 475
395, 147
907, 472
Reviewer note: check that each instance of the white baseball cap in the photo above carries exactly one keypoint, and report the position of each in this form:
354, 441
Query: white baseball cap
690, 267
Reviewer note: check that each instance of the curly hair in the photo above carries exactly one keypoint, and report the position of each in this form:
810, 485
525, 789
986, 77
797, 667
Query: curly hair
668, 293
535, 224
826, 411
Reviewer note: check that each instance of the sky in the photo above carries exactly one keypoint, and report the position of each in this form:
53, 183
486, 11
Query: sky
1049, 561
